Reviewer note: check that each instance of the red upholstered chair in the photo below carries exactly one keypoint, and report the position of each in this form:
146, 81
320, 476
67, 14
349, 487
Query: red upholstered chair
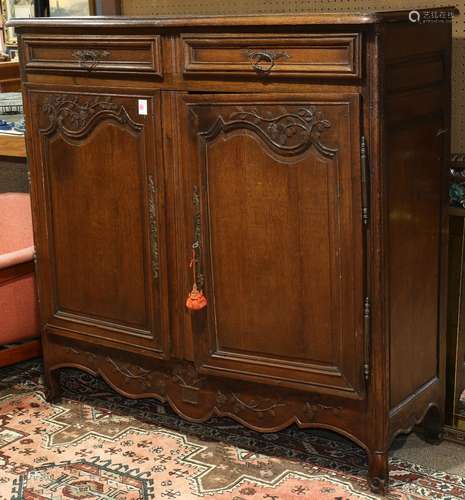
19, 324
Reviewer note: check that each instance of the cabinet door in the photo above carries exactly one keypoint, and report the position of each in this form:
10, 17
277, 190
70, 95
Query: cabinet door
98, 196
272, 185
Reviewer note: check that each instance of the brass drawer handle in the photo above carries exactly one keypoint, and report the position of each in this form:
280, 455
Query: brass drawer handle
89, 59
264, 61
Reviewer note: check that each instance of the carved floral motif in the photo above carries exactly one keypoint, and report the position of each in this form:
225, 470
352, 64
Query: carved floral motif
287, 132
149, 380
74, 114
153, 228
261, 406
186, 376
90, 356
312, 409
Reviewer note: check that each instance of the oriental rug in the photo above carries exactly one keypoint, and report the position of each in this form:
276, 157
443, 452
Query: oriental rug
95, 444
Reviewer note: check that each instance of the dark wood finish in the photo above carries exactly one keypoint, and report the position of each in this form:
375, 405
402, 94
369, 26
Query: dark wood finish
457, 211
305, 189
456, 313
307, 19
314, 203
10, 80
101, 152
416, 185
112, 54
329, 55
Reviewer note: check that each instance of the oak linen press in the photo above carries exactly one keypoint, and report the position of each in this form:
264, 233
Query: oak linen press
292, 168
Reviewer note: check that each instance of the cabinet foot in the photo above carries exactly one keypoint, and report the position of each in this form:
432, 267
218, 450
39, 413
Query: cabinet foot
378, 472
52, 386
432, 426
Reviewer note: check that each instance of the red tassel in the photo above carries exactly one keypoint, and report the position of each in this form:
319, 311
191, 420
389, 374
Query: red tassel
196, 300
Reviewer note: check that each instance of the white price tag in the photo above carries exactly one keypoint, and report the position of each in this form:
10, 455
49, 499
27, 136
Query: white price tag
142, 106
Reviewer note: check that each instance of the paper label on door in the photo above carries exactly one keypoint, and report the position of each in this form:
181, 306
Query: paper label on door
142, 106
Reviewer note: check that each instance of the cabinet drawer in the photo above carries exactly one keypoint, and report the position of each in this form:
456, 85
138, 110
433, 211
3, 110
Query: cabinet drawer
329, 55
109, 54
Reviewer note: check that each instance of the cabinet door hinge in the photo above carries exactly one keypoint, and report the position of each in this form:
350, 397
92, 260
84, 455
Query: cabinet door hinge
365, 181
367, 333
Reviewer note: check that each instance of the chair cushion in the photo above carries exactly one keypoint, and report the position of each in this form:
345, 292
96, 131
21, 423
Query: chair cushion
17, 257
18, 310
15, 222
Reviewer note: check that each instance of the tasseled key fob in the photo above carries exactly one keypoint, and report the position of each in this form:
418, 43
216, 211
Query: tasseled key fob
196, 300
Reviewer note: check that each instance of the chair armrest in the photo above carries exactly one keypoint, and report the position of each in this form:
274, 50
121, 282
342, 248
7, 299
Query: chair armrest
17, 257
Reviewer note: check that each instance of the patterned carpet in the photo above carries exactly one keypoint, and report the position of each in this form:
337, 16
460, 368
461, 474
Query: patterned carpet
96, 444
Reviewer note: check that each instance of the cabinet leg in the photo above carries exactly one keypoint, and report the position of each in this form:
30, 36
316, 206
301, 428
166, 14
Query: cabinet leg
378, 471
432, 426
52, 386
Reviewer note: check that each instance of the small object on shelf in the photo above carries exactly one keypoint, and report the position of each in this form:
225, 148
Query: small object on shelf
10, 128
65, 8
11, 103
11, 114
20, 126
457, 195
457, 182
5, 126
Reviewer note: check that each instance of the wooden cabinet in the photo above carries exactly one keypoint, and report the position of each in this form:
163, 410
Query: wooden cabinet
293, 168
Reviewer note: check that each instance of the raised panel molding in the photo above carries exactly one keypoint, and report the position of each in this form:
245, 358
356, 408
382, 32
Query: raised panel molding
286, 127
89, 133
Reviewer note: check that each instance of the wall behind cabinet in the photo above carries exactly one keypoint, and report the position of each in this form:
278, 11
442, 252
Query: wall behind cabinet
179, 7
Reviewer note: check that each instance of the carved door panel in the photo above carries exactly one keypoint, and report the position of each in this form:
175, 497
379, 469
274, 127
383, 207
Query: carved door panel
98, 193
273, 210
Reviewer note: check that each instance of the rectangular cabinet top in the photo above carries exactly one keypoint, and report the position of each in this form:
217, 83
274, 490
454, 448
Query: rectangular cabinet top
438, 13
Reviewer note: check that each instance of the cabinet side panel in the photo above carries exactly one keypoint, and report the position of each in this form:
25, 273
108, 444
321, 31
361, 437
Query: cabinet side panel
417, 140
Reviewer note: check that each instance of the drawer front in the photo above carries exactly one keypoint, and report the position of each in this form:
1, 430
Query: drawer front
109, 54
326, 55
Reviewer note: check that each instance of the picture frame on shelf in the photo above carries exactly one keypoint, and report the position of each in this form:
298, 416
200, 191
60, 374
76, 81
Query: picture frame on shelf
75, 8
14, 9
